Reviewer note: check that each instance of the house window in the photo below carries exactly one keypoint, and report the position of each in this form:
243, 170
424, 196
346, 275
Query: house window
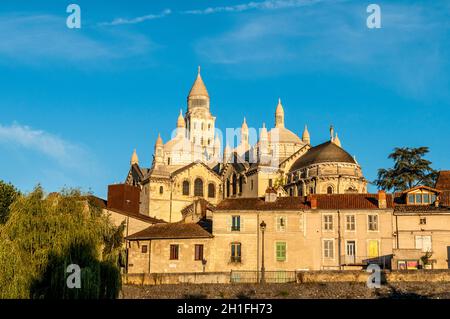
228, 188
423, 221
433, 198
198, 187
350, 222
174, 250
426, 198
411, 199
418, 198
328, 248
186, 188
198, 252
373, 222
281, 251
236, 223
251, 184
211, 190
424, 243
144, 249
328, 222
281, 223
235, 252
329, 190
234, 184
161, 190
168, 161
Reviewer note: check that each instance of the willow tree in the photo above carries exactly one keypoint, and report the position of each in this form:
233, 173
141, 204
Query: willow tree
8, 194
44, 235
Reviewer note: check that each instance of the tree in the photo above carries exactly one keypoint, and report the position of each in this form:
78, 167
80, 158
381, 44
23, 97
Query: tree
410, 169
45, 234
8, 194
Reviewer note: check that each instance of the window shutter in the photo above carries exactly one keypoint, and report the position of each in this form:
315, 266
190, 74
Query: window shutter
229, 222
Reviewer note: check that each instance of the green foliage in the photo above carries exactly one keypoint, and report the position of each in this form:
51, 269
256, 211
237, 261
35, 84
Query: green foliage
410, 169
8, 194
44, 235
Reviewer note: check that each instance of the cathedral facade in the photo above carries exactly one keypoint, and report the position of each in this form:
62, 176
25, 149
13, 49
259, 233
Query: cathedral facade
191, 166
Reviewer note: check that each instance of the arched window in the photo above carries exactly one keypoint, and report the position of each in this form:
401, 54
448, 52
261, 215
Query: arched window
300, 190
198, 187
186, 188
234, 184
330, 190
228, 187
211, 190
161, 190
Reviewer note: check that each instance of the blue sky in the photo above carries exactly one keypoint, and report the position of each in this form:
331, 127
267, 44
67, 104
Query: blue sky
74, 103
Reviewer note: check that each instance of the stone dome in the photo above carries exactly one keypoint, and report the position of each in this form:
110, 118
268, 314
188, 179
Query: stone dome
323, 153
283, 135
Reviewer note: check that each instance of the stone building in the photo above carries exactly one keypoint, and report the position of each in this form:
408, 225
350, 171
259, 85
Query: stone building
191, 164
409, 230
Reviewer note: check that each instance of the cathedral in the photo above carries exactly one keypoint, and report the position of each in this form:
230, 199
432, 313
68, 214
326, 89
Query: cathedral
191, 166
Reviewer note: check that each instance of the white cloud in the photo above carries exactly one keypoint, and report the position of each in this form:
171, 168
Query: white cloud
409, 53
263, 5
65, 153
120, 21
36, 39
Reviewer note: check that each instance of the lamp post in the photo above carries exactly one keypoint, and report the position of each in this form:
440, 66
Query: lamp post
263, 269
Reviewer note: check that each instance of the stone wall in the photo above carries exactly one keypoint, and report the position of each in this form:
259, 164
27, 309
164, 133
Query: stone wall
303, 277
177, 278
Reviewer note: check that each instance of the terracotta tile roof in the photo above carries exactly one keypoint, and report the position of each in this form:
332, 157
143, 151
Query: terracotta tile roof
350, 201
324, 201
178, 230
148, 219
443, 181
282, 203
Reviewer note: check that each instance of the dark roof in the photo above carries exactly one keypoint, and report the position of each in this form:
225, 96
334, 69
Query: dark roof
421, 209
443, 180
326, 152
139, 216
324, 201
178, 230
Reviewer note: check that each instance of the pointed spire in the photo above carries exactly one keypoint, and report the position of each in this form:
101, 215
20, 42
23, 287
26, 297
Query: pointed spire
306, 137
180, 122
336, 140
263, 136
331, 132
134, 158
279, 115
198, 88
159, 141
244, 124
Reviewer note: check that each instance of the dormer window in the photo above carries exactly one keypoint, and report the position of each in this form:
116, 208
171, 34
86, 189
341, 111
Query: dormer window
421, 195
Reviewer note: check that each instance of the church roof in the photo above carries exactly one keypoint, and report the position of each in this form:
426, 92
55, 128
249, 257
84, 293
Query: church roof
283, 135
323, 153
198, 88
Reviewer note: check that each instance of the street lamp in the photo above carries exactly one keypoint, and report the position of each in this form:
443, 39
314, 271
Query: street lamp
263, 228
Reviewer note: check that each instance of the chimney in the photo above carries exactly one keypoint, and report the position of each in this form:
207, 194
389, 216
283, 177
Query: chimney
382, 204
271, 195
312, 201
